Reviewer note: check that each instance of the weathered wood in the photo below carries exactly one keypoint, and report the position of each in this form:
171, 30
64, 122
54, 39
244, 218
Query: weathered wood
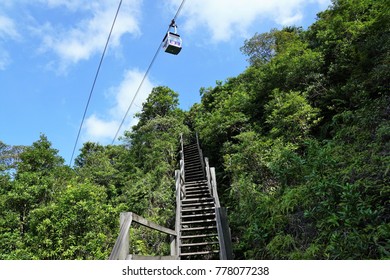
142, 221
200, 154
138, 257
173, 245
208, 175
214, 187
225, 244
121, 247
178, 211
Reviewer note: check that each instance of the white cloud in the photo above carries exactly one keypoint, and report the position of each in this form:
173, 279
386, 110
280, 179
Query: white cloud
224, 18
103, 128
4, 59
8, 31
87, 37
99, 129
8, 28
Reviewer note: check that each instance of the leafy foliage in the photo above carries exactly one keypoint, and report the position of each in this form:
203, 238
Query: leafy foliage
300, 142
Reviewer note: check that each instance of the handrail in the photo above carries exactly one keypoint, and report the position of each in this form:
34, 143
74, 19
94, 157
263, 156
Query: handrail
179, 186
182, 171
200, 153
121, 247
224, 236
208, 176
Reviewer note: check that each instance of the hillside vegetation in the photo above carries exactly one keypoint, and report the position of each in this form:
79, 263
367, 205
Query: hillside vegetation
300, 141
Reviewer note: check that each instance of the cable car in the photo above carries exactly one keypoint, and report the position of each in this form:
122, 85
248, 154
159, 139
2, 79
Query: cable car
172, 42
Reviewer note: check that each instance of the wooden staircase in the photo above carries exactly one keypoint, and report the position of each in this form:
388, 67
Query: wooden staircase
201, 226
198, 228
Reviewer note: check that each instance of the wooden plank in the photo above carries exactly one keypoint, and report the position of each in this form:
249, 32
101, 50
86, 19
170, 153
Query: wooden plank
138, 257
214, 187
225, 244
142, 221
178, 211
198, 244
200, 253
121, 247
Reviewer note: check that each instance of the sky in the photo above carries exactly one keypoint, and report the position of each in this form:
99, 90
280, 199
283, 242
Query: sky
50, 51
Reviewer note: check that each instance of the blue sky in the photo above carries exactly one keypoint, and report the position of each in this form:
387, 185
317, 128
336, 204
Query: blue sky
50, 50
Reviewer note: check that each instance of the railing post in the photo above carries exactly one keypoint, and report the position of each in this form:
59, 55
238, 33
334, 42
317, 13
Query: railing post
178, 210
214, 186
121, 247
208, 176
200, 154
225, 252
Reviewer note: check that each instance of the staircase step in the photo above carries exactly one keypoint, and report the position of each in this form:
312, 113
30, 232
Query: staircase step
192, 164
197, 195
185, 201
194, 177
195, 171
199, 205
191, 151
198, 222
192, 160
197, 190
198, 236
200, 182
201, 187
199, 209
189, 146
198, 228
198, 215
200, 253
188, 154
205, 193
199, 244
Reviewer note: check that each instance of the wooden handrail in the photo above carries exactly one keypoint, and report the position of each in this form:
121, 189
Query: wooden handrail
224, 236
121, 247
179, 186
200, 153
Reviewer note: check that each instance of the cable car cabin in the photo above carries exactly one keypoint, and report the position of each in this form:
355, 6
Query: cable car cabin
172, 43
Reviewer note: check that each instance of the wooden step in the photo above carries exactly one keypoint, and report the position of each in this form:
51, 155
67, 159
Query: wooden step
200, 253
190, 146
198, 228
198, 236
197, 206
194, 172
192, 164
199, 195
196, 186
185, 201
198, 209
198, 190
191, 151
198, 222
200, 182
198, 215
198, 244
193, 169
194, 177
188, 156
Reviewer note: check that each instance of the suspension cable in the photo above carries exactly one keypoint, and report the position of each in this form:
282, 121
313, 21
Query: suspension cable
95, 79
146, 74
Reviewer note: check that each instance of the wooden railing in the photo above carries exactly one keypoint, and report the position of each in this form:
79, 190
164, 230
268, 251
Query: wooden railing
224, 236
122, 244
200, 154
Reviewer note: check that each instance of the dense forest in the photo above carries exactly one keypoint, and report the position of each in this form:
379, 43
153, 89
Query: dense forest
300, 141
